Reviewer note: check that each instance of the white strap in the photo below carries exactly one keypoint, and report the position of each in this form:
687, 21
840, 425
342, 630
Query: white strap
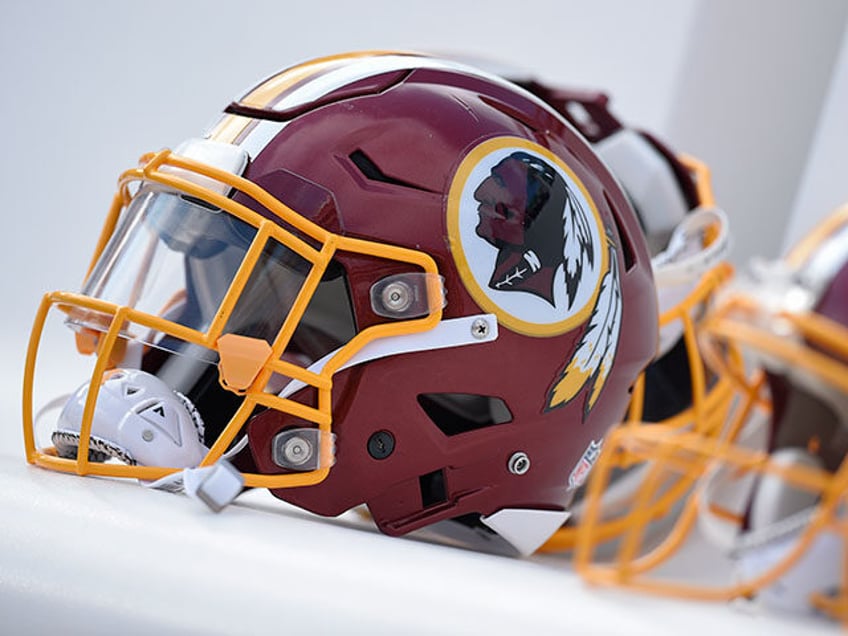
759, 550
216, 486
455, 332
686, 258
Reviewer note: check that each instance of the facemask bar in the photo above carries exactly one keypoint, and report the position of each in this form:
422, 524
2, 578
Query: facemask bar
773, 319
165, 168
779, 335
689, 457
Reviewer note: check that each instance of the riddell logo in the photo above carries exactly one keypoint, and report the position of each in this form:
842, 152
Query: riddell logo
530, 247
581, 471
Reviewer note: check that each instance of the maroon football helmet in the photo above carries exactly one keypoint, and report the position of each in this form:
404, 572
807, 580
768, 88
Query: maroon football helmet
383, 279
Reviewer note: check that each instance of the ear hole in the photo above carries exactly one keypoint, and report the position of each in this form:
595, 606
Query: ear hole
372, 171
456, 413
433, 490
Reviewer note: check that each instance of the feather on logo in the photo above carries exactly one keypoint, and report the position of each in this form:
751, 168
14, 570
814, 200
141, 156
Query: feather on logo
577, 246
592, 360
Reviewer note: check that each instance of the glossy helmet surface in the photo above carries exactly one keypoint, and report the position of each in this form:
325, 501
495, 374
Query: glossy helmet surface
380, 278
770, 500
688, 238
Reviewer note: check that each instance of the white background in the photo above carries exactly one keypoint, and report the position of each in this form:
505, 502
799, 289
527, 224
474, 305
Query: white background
758, 89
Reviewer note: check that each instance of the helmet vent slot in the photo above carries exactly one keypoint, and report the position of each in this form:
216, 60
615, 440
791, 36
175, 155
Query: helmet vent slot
456, 413
372, 172
668, 384
433, 491
626, 244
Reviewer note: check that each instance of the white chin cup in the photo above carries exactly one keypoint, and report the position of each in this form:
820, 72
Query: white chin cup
137, 419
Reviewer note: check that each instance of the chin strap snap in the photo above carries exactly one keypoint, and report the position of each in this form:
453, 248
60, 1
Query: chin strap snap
216, 486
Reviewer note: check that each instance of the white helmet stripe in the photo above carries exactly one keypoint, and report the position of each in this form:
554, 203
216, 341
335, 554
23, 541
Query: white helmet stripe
358, 69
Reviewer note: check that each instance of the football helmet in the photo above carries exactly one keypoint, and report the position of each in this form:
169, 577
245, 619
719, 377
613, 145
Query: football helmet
770, 501
380, 278
688, 238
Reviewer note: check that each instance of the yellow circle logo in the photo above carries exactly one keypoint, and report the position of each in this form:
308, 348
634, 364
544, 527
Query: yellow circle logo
526, 237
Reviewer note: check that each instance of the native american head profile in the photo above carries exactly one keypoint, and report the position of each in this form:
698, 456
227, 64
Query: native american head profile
529, 213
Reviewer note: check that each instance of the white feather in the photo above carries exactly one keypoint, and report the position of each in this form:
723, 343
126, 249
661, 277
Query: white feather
612, 325
577, 253
570, 246
571, 252
599, 343
597, 335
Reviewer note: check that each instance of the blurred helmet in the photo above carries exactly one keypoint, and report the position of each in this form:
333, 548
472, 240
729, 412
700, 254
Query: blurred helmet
769, 506
380, 278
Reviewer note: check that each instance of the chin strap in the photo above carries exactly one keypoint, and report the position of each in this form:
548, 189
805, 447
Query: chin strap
688, 254
216, 486
698, 244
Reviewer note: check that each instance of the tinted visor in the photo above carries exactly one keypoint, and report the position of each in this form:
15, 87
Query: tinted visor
175, 257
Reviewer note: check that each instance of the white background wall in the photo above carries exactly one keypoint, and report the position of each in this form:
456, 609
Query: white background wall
748, 100
824, 182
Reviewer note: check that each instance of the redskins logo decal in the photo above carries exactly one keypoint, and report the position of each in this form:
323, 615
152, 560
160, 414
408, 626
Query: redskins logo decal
530, 247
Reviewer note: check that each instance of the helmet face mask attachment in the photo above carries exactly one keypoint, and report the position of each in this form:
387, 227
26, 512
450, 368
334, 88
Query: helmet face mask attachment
349, 309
